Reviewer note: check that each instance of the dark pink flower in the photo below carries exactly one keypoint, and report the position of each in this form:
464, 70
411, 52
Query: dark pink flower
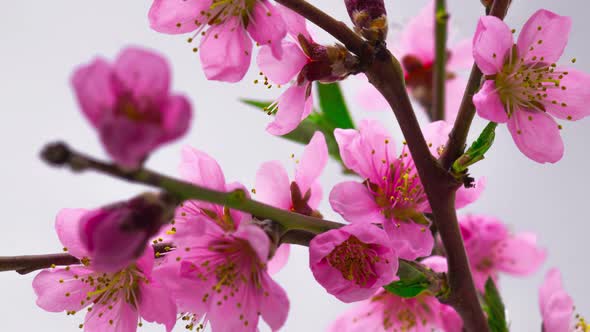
117, 301
130, 105
353, 262
557, 307
391, 193
227, 27
493, 249
524, 87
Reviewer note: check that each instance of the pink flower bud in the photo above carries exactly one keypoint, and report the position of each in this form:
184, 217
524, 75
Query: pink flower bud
369, 18
116, 235
130, 105
353, 262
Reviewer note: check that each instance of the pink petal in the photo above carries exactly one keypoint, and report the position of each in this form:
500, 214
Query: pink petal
354, 202
201, 169
284, 70
93, 87
226, 52
410, 240
520, 255
450, 319
536, 135
465, 196
266, 26
120, 317
183, 290
461, 56
551, 29
576, 96
557, 307
491, 43
67, 224
312, 162
279, 260
273, 185
295, 23
166, 15
177, 114
488, 103
156, 304
144, 73
145, 263
436, 135
436, 263
418, 35
274, 307
257, 238
292, 107
57, 289
128, 142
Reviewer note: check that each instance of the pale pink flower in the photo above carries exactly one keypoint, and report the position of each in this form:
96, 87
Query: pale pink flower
523, 85
220, 277
302, 195
391, 193
353, 262
388, 312
227, 27
492, 249
130, 104
416, 52
118, 301
557, 307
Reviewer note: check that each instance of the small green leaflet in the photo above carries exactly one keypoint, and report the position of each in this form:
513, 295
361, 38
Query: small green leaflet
412, 282
333, 106
477, 150
494, 307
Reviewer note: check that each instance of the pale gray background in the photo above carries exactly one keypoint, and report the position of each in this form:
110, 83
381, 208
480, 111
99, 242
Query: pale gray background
40, 43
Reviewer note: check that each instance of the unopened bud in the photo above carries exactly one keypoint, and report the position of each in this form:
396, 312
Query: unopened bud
369, 18
328, 63
116, 235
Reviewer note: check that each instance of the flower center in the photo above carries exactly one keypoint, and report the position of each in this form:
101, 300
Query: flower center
355, 260
132, 110
109, 288
581, 325
523, 83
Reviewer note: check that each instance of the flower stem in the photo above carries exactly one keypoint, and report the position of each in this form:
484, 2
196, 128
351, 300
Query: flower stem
59, 154
441, 18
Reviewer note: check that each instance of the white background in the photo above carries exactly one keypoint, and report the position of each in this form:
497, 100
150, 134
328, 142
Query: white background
41, 42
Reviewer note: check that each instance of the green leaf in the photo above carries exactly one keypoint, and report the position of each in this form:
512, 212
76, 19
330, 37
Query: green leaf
333, 106
257, 103
412, 282
477, 150
494, 307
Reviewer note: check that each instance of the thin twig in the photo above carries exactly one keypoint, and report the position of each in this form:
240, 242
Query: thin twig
441, 18
59, 154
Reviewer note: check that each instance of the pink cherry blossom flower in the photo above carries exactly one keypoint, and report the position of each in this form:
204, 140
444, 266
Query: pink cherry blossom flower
220, 277
130, 105
118, 301
492, 249
391, 193
388, 312
557, 307
415, 50
303, 62
523, 85
303, 195
117, 235
353, 262
227, 27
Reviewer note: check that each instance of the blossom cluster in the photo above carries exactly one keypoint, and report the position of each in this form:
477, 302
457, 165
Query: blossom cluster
208, 264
